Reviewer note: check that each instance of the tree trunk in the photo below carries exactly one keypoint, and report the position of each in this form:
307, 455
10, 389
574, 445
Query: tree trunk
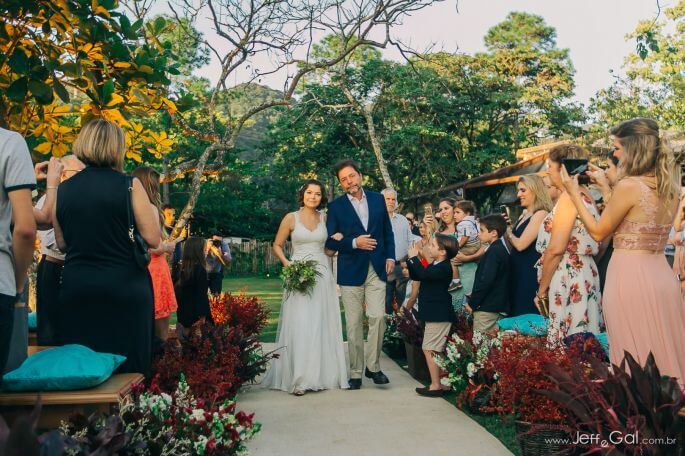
165, 185
195, 187
367, 112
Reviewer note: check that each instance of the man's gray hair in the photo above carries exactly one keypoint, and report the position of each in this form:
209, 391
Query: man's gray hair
389, 190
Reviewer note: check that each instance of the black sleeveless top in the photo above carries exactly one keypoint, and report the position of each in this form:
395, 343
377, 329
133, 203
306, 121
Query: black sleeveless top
106, 298
524, 280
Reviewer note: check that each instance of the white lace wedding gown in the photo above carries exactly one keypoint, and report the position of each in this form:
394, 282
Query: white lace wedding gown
309, 334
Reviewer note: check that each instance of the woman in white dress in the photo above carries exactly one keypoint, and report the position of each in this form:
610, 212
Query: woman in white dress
309, 336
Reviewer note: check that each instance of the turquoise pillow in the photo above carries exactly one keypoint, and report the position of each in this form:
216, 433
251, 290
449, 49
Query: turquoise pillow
33, 322
603, 339
70, 367
528, 325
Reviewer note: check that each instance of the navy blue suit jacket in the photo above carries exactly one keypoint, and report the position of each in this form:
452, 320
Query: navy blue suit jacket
353, 264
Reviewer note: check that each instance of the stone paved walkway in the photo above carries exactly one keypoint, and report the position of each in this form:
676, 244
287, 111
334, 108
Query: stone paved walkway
387, 420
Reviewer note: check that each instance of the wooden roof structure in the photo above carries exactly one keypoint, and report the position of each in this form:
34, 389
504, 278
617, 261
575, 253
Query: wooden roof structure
531, 160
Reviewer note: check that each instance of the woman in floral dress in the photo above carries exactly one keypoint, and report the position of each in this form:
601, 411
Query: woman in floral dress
566, 271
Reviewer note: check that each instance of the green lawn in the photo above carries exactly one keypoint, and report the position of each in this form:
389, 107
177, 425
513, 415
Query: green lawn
268, 289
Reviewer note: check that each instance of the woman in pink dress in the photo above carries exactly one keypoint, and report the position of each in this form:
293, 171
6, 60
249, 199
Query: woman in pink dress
642, 303
160, 274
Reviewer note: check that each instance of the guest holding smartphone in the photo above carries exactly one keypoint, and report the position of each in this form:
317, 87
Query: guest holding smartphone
522, 236
568, 279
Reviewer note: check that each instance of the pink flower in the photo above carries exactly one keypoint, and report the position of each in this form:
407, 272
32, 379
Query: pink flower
574, 293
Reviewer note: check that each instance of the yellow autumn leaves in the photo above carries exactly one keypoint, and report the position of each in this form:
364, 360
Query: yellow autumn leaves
69, 72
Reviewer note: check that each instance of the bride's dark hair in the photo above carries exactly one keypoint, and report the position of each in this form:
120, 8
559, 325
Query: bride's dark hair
307, 183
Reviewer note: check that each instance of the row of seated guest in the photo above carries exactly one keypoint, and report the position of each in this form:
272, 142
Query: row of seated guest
106, 299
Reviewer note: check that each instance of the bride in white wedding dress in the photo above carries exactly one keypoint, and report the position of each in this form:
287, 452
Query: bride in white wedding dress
309, 334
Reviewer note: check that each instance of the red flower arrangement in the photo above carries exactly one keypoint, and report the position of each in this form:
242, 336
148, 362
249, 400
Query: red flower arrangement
208, 358
520, 364
215, 359
239, 310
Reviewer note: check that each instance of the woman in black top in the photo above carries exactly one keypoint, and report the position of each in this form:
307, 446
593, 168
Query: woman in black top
533, 196
106, 300
191, 283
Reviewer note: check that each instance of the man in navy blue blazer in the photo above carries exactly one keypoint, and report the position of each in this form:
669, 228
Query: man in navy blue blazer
366, 255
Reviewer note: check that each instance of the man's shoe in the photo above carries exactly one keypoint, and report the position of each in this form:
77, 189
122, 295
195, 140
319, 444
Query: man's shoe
425, 391
379, 377
355, 383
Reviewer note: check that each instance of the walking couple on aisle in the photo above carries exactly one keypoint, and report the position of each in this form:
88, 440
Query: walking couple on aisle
357, 228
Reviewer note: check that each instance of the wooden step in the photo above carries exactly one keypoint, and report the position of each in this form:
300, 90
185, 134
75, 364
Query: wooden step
58, 405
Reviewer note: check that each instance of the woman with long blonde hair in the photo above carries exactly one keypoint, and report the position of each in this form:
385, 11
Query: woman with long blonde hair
162, 285
535, 200
642, 304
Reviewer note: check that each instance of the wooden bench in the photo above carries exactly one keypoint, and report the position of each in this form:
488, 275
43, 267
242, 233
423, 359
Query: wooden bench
58, 405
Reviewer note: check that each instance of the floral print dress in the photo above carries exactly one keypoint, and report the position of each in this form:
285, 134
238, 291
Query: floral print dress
574, 293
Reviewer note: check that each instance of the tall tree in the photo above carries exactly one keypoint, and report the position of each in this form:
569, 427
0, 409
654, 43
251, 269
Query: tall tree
654, 85
279, 29
524, 50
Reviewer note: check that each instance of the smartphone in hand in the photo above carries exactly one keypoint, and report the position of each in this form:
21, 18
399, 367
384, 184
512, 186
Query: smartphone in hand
575, 165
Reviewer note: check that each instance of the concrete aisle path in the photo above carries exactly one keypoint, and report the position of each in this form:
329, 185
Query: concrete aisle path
388, 420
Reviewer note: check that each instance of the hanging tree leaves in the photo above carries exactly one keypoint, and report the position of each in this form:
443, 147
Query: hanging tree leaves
64, 62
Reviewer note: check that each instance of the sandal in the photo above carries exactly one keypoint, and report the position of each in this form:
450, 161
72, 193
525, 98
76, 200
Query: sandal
299, 392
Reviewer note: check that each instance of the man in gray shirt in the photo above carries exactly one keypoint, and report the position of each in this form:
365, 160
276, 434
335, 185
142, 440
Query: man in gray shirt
396, 286
17, 230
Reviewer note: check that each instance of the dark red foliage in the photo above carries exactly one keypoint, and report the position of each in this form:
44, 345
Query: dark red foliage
633, 411
241, 311
410, 327
209, 359
520, 364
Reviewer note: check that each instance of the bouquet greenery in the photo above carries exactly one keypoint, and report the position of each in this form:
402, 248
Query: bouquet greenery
464, 358
300, 276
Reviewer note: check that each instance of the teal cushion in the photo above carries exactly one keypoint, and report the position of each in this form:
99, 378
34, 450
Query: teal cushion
603, 339
70, 367
33, 322
528, 325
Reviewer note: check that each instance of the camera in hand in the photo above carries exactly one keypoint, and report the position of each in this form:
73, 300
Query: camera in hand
577, 166
216, 243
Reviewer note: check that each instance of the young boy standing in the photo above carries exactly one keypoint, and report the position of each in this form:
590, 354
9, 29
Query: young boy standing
435, 302
490, 296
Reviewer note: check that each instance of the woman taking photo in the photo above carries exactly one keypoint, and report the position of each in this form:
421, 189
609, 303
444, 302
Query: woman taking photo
642, 301
534, 198
568, 278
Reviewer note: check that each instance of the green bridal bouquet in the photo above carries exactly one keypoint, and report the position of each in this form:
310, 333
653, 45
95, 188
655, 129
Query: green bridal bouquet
300, 276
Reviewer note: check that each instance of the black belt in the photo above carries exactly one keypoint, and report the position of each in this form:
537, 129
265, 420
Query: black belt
50, 259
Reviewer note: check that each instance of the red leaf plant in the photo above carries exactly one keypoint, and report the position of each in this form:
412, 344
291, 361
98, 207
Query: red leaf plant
209, 359
239, 310
520, 366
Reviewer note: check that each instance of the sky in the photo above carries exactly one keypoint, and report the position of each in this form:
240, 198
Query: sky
594, 31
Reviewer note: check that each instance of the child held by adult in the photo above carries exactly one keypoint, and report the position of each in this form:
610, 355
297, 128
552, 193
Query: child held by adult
435, 302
